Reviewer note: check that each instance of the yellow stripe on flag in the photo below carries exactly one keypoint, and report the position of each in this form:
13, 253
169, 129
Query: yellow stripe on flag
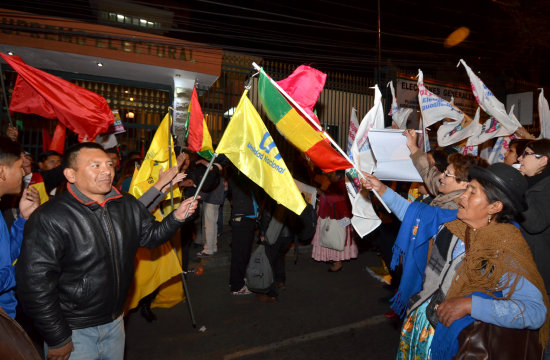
250, 147
298, 132
206, 138
41, 192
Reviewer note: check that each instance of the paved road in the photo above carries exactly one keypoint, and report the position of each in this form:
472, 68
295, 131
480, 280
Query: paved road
320, 315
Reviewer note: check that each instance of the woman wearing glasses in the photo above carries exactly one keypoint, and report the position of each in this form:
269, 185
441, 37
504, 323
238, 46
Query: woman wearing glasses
535, 226
446, 186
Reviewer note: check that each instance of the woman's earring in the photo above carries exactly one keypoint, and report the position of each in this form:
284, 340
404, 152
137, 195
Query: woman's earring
489, 219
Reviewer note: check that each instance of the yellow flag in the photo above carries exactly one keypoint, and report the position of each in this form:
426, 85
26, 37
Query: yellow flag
156, 268
156, 158
250, 147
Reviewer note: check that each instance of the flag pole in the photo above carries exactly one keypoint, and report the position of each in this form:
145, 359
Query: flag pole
5, 95
318, 127
170, 114
184, 272
202, 181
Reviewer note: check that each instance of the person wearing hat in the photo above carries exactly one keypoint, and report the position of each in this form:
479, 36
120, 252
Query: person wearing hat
446, 284
535, 225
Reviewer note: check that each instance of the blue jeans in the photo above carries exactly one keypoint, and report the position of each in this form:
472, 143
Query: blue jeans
103, 342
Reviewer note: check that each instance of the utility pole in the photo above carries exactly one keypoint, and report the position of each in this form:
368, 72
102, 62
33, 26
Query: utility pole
379, 64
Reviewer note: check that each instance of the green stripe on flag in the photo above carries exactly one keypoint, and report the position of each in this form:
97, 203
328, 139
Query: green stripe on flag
275, 105
206, 154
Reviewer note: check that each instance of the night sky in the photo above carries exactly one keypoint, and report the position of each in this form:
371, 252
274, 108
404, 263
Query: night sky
507, 38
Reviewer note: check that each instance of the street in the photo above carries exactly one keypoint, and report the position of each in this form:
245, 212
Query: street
320, 315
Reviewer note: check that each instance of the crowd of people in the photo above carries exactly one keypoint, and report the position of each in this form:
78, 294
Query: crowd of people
467, 249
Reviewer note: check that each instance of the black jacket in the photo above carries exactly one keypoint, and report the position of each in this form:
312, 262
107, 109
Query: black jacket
77, 260
535, 226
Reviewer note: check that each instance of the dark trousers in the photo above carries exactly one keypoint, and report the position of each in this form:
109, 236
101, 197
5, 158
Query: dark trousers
186, 235
242, 237
276, 255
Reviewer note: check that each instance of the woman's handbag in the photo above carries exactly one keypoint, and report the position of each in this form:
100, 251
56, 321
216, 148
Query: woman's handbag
484, 341
333, 234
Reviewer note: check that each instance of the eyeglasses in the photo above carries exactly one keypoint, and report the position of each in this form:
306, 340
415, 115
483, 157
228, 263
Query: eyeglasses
537, 156
446, 174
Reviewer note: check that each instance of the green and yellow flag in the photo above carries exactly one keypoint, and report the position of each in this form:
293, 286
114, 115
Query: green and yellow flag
250, 147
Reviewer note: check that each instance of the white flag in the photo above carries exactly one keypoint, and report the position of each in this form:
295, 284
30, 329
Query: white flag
499, 150
364, 218
544, 116
434, 108
374, 119
398, 115
490, 104
454, 131
353, 184
353, 127
490, 129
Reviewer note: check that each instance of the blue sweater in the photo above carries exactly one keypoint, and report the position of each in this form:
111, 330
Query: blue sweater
526, 307
10, 245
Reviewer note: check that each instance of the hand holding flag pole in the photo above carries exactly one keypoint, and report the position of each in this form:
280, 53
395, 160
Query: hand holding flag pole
214, 155
319, 128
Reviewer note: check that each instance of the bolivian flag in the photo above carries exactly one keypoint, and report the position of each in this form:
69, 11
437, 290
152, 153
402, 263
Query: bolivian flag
198, 137
249, 146
38, 183
297, 130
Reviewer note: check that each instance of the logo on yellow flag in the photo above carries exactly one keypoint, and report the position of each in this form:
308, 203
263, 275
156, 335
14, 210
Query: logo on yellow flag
250, 147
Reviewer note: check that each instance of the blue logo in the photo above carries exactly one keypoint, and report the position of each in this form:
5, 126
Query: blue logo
268, 148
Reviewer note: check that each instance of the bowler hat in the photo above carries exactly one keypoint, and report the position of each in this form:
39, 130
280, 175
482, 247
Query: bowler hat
507, 179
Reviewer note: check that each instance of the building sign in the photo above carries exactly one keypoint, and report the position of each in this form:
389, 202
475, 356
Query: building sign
406, 90
72, 36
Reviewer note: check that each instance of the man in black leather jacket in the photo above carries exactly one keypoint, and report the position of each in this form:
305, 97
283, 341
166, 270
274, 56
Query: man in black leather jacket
77, 258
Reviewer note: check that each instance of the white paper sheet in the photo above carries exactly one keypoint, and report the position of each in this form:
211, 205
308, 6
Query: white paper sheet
392, 155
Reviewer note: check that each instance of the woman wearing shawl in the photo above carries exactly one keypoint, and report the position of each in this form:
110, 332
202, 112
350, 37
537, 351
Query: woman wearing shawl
479, 268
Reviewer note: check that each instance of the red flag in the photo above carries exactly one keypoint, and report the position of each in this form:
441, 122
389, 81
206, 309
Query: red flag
58, 141
38, 92
46, 139
304, 85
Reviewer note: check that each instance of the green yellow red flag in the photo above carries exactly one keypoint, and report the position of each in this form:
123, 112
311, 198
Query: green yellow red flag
292, 125
198, 137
